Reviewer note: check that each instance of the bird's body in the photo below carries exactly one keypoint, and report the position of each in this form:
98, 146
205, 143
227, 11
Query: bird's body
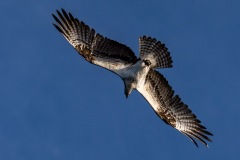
134, 76
136, 73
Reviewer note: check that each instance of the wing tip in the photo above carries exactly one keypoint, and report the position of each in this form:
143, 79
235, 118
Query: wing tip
58, 28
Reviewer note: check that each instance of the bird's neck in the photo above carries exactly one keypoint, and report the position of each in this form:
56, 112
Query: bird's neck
137, 73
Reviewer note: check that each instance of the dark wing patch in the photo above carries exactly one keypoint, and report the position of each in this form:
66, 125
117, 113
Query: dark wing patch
154, 51
93, 47
171, 109
110, 49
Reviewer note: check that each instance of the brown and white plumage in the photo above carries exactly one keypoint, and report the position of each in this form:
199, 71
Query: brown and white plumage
170, 108
137, 73
94, 47
150, 48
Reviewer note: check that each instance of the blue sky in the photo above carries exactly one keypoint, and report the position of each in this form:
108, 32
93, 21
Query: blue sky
55, 105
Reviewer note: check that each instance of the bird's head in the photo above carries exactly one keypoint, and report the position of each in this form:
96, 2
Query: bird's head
128, 87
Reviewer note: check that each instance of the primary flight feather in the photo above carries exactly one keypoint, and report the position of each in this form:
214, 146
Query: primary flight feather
136, 73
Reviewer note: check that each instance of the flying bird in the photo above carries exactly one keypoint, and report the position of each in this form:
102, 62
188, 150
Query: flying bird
137, 73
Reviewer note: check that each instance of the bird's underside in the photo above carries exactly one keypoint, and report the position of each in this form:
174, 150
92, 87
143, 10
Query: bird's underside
137, 73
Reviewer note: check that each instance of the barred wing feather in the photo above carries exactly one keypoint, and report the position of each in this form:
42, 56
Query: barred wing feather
171, 109
92, 46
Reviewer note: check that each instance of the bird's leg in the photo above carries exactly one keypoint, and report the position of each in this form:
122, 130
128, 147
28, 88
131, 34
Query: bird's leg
147, 62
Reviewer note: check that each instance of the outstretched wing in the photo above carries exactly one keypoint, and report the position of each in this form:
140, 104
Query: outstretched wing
94, 47
170, 108
154, 51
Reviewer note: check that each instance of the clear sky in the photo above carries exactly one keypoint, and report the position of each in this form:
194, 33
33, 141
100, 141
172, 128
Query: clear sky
55, 105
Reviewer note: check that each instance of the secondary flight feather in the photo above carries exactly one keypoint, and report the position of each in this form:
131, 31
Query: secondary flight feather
136, 73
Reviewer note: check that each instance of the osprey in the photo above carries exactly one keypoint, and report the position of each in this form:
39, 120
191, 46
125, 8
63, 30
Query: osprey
136, 73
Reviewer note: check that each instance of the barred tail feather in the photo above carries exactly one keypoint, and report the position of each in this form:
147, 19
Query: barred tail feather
155, 52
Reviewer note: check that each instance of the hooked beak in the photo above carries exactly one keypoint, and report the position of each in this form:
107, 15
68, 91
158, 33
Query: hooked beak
126, 94
127, 89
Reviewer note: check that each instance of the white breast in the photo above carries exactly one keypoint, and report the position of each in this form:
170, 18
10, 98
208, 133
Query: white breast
137, 71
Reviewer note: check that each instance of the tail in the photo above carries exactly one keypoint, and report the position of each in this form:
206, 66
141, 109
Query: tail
155, 52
